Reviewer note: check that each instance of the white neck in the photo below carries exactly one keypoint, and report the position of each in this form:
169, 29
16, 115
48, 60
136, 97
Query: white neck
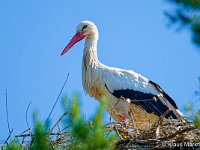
90, 64
90, 52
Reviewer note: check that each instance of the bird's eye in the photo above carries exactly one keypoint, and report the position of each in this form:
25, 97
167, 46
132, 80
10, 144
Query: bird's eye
84, 27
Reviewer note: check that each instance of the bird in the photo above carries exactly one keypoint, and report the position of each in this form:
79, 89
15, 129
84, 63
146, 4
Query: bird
129, 96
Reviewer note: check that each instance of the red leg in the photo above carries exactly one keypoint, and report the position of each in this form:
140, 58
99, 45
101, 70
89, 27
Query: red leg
124, 117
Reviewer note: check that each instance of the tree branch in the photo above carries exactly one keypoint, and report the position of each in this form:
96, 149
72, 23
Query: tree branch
57, 99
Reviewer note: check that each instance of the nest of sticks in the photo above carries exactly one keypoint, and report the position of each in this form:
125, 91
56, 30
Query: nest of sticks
164, 134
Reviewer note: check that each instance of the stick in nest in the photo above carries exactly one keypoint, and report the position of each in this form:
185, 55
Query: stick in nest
160, 119
178, 132
66, 113
51, 133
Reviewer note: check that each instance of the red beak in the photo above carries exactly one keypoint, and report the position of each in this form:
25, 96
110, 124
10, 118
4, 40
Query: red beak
76, 38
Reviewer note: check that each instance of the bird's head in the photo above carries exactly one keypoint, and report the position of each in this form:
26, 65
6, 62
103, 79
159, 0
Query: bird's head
85, 29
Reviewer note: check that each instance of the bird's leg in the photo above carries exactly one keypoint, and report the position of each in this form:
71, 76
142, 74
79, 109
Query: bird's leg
124, 117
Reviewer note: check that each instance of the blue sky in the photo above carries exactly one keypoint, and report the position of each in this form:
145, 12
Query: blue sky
133, 35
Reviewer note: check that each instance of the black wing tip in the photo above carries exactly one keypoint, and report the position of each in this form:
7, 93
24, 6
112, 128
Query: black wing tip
171, 101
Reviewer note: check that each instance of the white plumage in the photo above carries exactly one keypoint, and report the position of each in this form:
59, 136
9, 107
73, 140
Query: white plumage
147, 99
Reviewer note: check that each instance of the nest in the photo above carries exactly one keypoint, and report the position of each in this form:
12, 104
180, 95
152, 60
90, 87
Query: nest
164, 134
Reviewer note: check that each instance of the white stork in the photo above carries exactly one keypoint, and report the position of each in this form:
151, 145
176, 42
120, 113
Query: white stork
129, 95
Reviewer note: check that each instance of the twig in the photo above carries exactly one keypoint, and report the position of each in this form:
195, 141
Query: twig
65, 128
178, 132
59, 120
51, 133
26, 115
117, 131
56, 100
25, 131
10, 132
8, 124
161, 118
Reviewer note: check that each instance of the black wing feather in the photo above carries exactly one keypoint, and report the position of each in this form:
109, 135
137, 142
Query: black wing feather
149, 102
171, 101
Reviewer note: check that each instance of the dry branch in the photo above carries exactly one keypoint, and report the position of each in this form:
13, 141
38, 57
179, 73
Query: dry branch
57, 99
7, 116
26, 115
